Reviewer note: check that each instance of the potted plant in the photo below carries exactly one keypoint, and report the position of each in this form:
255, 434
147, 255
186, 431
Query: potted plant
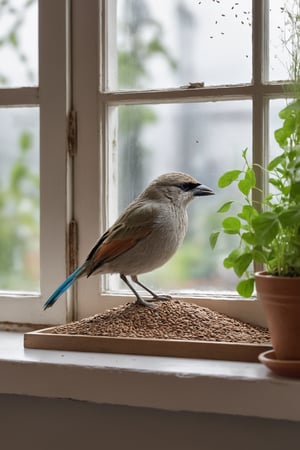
269, 229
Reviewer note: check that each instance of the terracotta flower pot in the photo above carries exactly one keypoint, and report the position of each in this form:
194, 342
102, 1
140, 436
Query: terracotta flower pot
280, 298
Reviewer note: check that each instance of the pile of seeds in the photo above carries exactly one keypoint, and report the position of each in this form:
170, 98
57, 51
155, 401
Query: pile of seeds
169, 320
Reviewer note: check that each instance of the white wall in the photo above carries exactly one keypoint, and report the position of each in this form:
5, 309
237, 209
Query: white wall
29, 423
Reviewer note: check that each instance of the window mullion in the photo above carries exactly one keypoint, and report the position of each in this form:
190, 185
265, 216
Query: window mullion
260, 41
88, 168
260, 70
53, 95
260, 101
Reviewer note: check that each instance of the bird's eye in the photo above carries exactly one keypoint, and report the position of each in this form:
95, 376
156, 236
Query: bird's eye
188, 186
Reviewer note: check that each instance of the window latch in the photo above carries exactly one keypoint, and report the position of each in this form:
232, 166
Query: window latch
72, 133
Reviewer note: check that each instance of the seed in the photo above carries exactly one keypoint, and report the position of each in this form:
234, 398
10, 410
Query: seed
174, 319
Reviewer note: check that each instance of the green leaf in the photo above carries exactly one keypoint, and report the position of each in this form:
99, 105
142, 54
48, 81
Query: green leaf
244, 154
266, 227
230, 260
288, 128
231, 225
227, 263
242, 263
289, 125
275, 182
213, 238
249, 238
244, 186
258, 255
225, 207
295, 189
245, 287
276, 162
228, 177
281, 136
248, 213
290, 217
250, 177
289, 109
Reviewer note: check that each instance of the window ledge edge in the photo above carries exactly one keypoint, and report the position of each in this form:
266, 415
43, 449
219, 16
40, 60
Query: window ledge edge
174, 384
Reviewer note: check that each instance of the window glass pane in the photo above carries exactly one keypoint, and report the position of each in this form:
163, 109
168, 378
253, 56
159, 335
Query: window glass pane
284, 39
19, 199
171, 43
18, 43
203, 140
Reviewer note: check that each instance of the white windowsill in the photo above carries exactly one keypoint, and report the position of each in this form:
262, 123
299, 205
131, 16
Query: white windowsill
174, 384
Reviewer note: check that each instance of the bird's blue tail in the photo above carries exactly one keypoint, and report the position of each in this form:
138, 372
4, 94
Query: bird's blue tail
64, 286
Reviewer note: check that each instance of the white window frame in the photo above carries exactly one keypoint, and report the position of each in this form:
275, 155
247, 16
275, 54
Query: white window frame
76, 188
52, 97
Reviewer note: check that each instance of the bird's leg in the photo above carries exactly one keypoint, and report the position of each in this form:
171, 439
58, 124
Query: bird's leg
139, 299
155, 296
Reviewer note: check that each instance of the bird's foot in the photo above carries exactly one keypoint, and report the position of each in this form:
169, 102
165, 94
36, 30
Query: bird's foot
150, 302
141, 301
160, 298
156, 298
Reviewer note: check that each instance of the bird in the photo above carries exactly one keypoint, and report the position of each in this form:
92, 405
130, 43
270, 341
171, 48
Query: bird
144, 237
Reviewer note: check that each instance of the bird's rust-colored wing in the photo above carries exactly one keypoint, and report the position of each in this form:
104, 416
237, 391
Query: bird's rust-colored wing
121, 237
112, 248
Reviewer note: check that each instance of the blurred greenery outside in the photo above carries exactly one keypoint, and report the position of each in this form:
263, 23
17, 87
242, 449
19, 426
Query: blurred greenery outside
19, 224
19, 186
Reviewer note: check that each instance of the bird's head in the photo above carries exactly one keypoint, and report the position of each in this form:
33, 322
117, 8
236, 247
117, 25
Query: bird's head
177, 187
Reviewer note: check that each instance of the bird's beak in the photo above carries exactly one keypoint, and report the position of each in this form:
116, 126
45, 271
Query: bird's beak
202, 190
